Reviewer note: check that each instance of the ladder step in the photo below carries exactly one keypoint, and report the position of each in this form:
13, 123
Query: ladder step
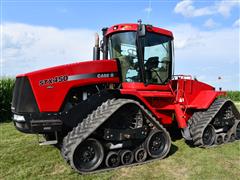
48, 143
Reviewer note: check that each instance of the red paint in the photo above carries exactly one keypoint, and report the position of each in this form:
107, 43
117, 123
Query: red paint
180, 97
133, 27
51, 99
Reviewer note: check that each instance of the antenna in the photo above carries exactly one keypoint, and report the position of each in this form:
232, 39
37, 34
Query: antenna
149, 9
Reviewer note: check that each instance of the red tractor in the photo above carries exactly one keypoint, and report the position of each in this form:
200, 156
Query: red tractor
117, 111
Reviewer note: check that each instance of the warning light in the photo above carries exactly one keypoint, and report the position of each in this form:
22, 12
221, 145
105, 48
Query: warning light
126, 27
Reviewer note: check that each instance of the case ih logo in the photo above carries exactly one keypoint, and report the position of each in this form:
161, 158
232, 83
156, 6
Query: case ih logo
53, 80
105, 75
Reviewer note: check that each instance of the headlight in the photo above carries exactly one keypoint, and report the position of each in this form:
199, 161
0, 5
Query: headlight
18, 118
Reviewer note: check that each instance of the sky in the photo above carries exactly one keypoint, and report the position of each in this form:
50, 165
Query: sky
44, 33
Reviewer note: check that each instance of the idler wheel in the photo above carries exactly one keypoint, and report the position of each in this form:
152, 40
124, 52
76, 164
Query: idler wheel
209, 135
157, 144
126, 157
112, 159
88, 155
238, 130
140, 155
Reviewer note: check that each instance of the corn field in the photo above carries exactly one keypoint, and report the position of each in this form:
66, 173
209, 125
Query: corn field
234, 95
6, 89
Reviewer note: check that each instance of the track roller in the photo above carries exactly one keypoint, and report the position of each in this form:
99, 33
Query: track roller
225, 138
126, 157
219, 139
140, 154
112, 159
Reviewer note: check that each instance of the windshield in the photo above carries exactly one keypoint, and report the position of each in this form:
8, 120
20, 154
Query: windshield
123, 46
157, 58
156, 49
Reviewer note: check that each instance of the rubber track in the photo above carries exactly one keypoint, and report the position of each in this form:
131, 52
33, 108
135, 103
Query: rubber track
94, 120
200, 120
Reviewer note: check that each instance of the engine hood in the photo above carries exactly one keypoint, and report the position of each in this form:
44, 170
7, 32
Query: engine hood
51, 85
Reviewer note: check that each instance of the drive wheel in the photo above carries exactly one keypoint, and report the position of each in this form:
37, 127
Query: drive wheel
209, 135
88, 155
157, 144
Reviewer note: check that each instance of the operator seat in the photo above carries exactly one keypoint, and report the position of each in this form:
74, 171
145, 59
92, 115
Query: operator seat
152, 69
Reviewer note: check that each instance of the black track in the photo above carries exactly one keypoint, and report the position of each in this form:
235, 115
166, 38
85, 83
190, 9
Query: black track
94, 120
201, 120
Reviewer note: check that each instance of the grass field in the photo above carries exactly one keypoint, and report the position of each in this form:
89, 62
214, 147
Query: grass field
22, 158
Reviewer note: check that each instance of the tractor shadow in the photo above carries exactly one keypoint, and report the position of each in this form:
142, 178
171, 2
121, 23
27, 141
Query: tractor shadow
175, 134
173, 150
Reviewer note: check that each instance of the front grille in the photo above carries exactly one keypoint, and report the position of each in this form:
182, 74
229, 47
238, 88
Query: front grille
23, 100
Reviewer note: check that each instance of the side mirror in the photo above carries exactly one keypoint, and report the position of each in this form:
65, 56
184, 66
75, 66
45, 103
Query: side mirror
141, 30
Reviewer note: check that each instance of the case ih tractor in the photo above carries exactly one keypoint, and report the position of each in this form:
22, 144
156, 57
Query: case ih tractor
117, 111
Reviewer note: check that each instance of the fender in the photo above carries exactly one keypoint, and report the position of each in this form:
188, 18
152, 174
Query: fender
75, 115
205, 98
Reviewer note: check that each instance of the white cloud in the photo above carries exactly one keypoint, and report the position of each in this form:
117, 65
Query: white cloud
236, 23
187, 8
224, 7
185, 36
210, 23
208, 54
27, 47
215, 44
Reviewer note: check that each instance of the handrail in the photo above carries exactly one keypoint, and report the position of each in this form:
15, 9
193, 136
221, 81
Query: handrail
181, 76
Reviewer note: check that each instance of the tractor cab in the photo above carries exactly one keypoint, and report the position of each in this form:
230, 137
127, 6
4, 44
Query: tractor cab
144, 52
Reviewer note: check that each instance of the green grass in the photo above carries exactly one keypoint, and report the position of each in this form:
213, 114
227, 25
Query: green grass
237, 104
22, 158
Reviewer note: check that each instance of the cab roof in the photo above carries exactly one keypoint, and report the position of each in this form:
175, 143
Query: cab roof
133, 27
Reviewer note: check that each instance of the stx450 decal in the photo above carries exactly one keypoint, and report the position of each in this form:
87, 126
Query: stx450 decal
63, 78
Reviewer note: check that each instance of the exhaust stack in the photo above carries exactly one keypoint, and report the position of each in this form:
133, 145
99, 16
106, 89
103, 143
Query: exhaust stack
96, 48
